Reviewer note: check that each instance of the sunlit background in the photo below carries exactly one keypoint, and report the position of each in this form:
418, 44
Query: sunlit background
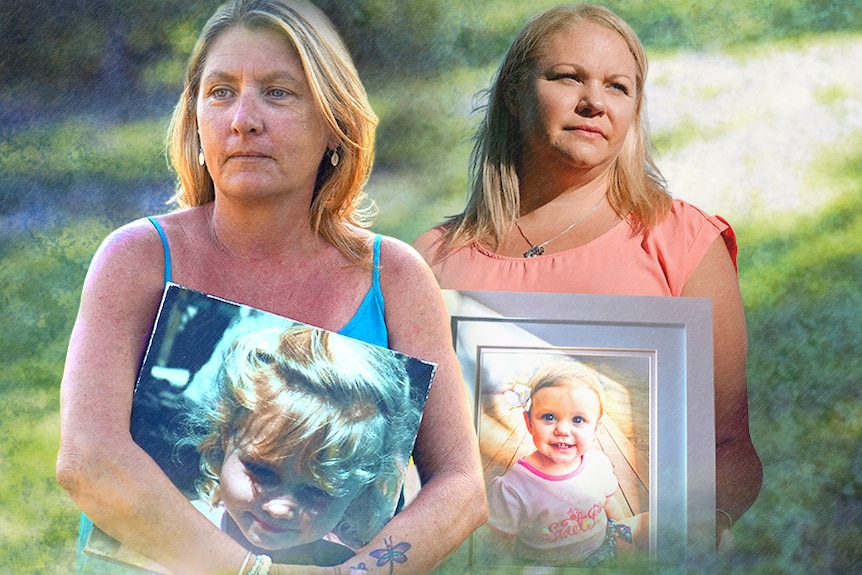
756, 111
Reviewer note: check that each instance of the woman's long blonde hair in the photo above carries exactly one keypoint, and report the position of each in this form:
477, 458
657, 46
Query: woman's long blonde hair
339, 201
637, 188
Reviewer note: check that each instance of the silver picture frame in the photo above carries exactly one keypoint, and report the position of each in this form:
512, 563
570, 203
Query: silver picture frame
664, 344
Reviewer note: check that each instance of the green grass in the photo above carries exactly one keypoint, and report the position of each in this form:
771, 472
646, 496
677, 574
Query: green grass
40, 283
803, 294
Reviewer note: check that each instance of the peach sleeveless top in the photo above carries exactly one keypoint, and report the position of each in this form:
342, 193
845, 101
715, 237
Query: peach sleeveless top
658, 262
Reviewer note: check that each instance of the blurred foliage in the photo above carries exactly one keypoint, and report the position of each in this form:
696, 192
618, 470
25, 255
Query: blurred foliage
39, 296
424, 139
85, 164
83, 107
66, 41
125, 44
106, 152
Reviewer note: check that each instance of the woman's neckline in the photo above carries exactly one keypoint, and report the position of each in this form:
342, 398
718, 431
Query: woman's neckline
615, 229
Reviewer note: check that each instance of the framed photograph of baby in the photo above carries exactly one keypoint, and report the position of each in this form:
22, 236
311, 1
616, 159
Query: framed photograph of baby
596, 428
292, 439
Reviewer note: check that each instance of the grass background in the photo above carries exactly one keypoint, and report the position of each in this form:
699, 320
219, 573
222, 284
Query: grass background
800, 257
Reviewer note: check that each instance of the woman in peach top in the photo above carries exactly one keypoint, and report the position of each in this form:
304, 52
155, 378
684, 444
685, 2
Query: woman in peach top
566, 198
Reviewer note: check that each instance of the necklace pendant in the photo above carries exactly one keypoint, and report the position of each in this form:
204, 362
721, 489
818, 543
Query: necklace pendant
534, 251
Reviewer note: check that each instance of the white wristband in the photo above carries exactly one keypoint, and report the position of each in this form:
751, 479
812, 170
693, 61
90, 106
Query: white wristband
244, 563
261, 565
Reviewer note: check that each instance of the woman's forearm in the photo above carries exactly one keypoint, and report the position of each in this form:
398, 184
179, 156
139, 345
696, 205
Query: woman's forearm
739, 475
125, 494
445, 512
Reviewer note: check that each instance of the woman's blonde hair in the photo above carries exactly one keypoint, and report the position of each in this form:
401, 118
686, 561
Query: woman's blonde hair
339, 201
637, 188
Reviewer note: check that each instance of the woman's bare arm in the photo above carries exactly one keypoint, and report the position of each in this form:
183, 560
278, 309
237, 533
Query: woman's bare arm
108, 476
738, 469
451, 503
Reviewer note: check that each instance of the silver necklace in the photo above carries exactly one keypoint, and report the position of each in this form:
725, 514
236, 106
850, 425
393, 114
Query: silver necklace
537, 250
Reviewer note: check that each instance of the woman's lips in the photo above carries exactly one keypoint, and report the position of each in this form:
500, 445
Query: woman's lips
588, 131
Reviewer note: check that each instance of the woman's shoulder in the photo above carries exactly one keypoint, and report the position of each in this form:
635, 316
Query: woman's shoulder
141, 245
138, 250
686, 234
703, 226
182, 223
399, 256
133, 246
681, 209
415, 313
683, 213
429, 240
143, 234
125, 280
129, 258
687, 225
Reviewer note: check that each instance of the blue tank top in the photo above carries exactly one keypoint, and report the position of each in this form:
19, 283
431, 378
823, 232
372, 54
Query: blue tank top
367, 324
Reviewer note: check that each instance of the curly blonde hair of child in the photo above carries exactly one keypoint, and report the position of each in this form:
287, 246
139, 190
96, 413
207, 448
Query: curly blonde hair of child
341, 410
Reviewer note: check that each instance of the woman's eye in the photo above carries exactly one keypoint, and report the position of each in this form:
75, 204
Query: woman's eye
220, 93
620, 88
567, 77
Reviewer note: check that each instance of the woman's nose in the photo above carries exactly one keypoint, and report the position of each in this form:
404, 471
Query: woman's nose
592, 102
281, 506
246, 119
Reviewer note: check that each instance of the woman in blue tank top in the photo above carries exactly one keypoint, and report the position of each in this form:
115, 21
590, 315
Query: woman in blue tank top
272, 140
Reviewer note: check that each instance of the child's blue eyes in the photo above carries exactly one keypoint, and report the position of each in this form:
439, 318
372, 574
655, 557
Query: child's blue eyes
550, 417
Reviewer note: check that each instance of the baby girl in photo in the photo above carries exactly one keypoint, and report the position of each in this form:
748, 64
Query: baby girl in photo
556, 506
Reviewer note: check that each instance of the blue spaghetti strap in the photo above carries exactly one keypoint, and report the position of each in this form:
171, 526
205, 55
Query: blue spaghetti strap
375, 274
166, 247
369, 321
